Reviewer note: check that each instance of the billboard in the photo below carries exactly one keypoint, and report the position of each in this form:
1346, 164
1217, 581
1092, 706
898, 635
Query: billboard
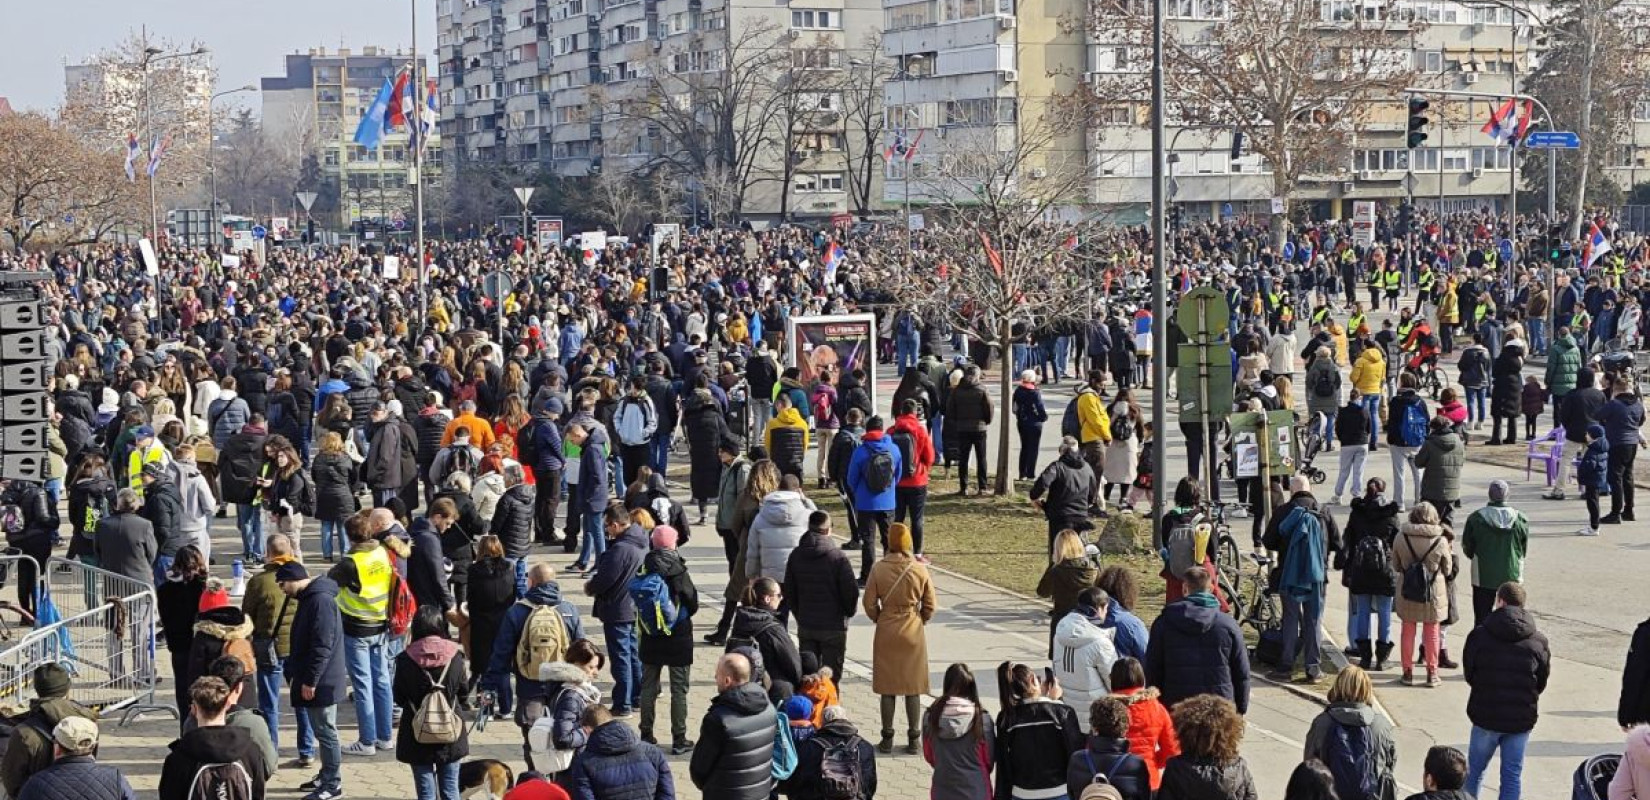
843, 343
548, 232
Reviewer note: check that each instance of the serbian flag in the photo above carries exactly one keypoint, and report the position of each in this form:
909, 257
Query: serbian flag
132, 148
156, 152
1597, 245
912, 150
1509, 121
897, 147
432, 113
401, 103
833, 259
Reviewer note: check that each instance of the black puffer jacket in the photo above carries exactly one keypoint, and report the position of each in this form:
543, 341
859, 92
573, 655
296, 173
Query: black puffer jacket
163, 507
734, 757
513, 520
702, 419
334, 499
1352, 425
252, 383
968, 408
392, 455
1195, 648
819, 581
1507, 383
1368, 518
1187, 778
1506, 663
427, 429
78, 777
676, 649
362, 396
781, 660
1125, 770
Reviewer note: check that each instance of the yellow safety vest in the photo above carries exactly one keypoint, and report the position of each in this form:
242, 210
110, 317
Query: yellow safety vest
1375, 278
137, 459
1356, 321
377, 574
1404, 329
1479, 312
1424, 280
1392, 278
1319, 316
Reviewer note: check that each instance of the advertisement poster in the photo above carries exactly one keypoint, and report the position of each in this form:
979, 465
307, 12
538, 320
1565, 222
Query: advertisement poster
843, 343
548, 231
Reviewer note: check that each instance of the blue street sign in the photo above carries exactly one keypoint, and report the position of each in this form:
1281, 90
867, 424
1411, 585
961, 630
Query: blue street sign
258, 232
1225, 210
1506, 250
1288, 251
1553, 140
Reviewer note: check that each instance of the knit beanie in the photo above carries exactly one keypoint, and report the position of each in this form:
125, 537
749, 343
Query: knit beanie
664, 538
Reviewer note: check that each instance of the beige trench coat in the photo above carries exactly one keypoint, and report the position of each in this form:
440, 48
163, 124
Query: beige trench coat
1440, 563
899, 598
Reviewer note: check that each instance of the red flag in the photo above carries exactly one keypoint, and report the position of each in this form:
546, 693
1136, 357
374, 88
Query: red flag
991, 255
1524, 120
912, 150
400, 102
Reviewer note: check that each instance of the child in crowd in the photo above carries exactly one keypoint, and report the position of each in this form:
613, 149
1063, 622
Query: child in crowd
1593, 475
1532, 402
1451, 408
799, 710
818, 685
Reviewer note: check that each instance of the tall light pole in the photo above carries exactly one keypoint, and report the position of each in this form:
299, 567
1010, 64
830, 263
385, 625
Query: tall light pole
151, 56
212, 162
1160, 277
905, 169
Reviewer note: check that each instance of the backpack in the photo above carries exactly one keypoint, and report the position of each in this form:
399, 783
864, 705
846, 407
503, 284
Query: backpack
97, 507
435, 721
1412, 428
1182, 545
402, 602
907, 445
12, 520
541, 741
647, 417
1417, 581
1101, 787
1122, 428
1324, 384
1371, 560
1349, 752
879, 470
656, 612
824, 414
839, 773
543, 640
784, 748
459, 459
1070, 425
304, 501
228, 781
241, 649
527, 446
842, 451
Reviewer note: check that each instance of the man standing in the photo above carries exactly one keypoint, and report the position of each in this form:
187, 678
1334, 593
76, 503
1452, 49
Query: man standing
627, 547
1575, 414
426, 573
481, 433
592, 494
30, 751
1441, 458
1406, 431
215, 753
239, 459
542, 593
843, 445
1195, 648
1622, 418
75, 773
1093, 429
916, 450
548, 464
1506, 664
736, 471
636, 422
315, 669
1496, 538
1084, 651
762, 374
615, 762
428, 427
968, 413
272, 615
364, 578
163, 507
1352, 431
125, 542
786, 437
819, 586
1563, 367
1065, 491
873, 474
734, 758
1303, 537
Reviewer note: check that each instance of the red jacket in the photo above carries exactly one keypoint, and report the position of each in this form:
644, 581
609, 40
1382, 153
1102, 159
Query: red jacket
924, 455
1151, 730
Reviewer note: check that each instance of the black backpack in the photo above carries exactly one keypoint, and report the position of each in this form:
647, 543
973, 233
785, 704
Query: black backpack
227, 781
527, 446
1417, 582
879, 470
1371, 560
1324, 384
1122, 427
842, 451
907, 445
1349, 753
1070, 424
839, 773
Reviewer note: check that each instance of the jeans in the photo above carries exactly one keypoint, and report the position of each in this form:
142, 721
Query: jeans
1403, 460
1352, 466
658, 456
1022, 357
54, 490
905, 352
1372, 405
1062, 352
162, 565
269, 704
1621, 478
1362, 606
1477, 397
594, 540
250, 523
1482, 746
761, 412
678, 699
367, 659
430, 780
1538, 334
626, 663
1030, 436
912, 500
324, 721
1300, 621
330, 529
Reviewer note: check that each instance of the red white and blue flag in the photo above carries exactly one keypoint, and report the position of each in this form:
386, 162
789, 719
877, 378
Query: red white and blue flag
132, 148
1597, 245
401, 104
833, 259
1509, 121
156, 152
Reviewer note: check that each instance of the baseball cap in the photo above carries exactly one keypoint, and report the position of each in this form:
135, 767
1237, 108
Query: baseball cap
75, 734
144, 432
291, 571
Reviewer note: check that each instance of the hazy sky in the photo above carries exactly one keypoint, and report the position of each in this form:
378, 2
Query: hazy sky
248, 38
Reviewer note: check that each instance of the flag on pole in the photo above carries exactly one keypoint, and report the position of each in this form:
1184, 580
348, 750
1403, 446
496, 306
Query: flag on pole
156, 152
991, 255
912, 150
432, 108
897, 147
1509, 121
833, 259
370, 132
132, 148
1597, 245
1528, 114
401, 103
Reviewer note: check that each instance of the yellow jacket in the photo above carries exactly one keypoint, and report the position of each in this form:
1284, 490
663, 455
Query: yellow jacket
1369, 373
138, 458
1337, 334
1091, 412
789, 418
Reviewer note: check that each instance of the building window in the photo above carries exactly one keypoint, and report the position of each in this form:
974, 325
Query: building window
1426, 159
816, 19
1491, 158
1456, 159
979, 111
1114, 115
910, 15
819, 101
820, 142
818, 182
1429, 61
814, 58
715, 20
330, 158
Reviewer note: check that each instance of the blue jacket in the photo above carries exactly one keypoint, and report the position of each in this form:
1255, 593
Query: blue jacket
317, 656
614, 569
1593, 472
547, 437
593, 472
503, 660
569, 342
1130, 638
865, 499
1196, 648
616, 764
77, 778
1621, 418
330, 387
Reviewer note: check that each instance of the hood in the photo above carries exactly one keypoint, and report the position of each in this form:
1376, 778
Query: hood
783, 509
1510, 624
521, 491
1370, 354
838, 729
1077, 631
791, 417
1190, 618
665, 563
956, 718
746, 699
96, 484
1137, 695
1421, 531
225, 623
1374, 509
747, 620
814, 545
323, 588
545, 594
432, 651
614, 738
563, 672
1446, 441
1073, 460
1358, 715
1499, 516
216, 744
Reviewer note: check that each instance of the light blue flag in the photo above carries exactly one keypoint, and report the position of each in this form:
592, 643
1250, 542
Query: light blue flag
371, 130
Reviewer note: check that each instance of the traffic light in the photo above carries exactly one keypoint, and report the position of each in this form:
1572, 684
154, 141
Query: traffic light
1417, 123
1405, 219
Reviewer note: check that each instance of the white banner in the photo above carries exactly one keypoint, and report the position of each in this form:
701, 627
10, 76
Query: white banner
392, 268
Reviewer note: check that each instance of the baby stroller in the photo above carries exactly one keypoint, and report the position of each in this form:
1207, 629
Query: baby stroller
1313, 441
1592, 778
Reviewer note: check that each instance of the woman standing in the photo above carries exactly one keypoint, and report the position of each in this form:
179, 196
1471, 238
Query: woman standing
1029, 416
1123, 451
1036, 735
705, 426
285, 417
431, 663
899, 599
1366, 571
492, 590
827, 420
1151, 730
1351, 705
178, 601
958, 740
287, 493
569, 689
1188, 498
1506, 393
1424, 541
1323, 391
91, 498
334, 500
1208, 767
764, 480
1068, 576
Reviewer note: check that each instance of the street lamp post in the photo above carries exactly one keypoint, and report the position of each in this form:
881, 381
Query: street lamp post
151, 55
212, 229
905, 169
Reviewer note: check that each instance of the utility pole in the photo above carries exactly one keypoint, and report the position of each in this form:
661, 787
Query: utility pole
1160, 278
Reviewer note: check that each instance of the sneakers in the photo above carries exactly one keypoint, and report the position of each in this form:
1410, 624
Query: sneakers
623, 713
1626, 516
385, 744
329, 793
301, 762
1433, 681
1586, 531
1334, 500
1611, 519
681, 747
1240, 512
360, 749
1553, 495
921, 558
1280, 675
1409, 677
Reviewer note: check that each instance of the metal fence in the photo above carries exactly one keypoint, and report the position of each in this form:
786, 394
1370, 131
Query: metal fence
105, 638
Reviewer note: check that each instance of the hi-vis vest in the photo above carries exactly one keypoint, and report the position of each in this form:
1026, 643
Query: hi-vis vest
1320, 316
377, 574
1393, 276
1404, 329
1354, 323
1375, 278
1424, 280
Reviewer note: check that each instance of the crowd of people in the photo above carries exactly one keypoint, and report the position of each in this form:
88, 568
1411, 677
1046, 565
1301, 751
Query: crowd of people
434, 459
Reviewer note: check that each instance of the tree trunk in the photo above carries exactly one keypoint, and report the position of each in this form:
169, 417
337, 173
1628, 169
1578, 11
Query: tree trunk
1005, 392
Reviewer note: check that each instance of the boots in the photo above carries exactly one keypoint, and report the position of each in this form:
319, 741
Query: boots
1444, 661
886, 746
913, 743
1365, 654
1383, 651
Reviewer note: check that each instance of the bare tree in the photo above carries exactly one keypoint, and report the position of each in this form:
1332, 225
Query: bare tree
619, 200
1006, 205
56, 189
862, 111
253, 170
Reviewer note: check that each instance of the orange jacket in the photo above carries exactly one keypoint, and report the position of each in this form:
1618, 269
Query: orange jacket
481, 434
1151, 731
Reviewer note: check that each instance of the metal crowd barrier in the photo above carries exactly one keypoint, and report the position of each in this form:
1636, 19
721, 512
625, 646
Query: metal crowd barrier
14, 569
105, 639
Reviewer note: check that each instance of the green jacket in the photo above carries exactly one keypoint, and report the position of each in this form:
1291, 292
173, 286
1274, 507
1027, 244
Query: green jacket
1496, 539
30, 750
269, 610
1563, 363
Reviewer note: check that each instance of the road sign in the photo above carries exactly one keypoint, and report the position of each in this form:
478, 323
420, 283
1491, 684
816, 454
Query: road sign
524, 194
259, 232
1553, 140
1203, 311
548, 231
1506, 249
306, 199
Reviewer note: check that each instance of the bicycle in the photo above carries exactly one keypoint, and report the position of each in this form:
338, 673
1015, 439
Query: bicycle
1253, 601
